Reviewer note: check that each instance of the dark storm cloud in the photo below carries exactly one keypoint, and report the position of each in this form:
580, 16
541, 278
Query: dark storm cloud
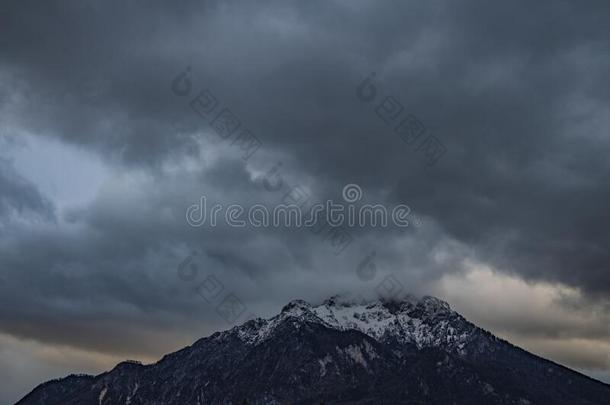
20, 197
517, 92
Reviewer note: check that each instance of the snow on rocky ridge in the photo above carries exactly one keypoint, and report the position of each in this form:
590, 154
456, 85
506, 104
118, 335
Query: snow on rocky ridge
416, 348
423, 322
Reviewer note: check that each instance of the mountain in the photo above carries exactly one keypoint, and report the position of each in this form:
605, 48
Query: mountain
414, 351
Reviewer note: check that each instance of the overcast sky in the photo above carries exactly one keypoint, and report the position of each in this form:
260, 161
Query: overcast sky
101, 155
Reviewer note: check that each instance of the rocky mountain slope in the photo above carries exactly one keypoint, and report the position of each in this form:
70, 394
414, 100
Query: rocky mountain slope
383, 352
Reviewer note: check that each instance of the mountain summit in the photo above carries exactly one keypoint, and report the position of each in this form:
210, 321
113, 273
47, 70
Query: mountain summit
413, 351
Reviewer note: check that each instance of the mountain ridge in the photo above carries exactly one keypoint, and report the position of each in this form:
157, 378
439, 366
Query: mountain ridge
408, 351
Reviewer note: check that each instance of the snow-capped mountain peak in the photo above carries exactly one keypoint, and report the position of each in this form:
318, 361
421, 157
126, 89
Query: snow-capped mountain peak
424, 322
412, 351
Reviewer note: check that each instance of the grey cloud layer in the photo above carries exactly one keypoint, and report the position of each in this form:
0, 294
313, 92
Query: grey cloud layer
17, 195
514, 92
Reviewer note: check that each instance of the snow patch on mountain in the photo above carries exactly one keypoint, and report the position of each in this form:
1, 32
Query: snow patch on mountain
355, 354
323, 363
424, 322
